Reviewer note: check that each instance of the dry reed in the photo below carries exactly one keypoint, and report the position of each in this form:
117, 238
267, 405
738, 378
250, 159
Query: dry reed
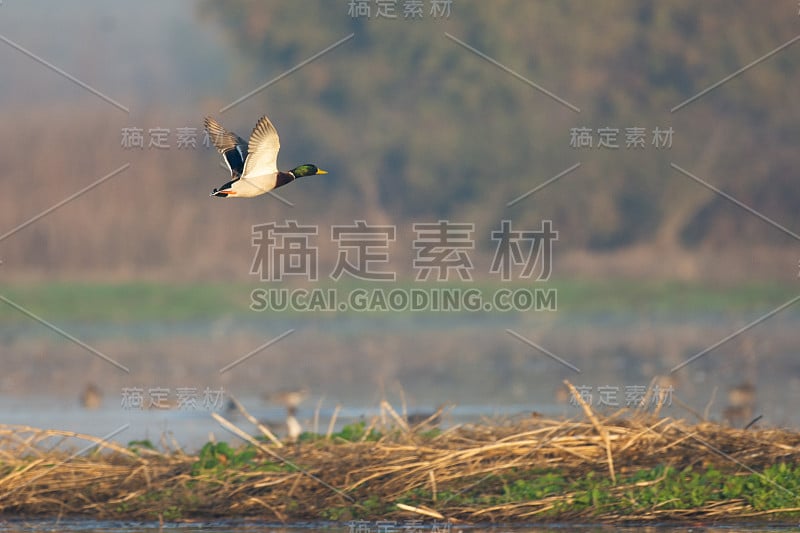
409, 474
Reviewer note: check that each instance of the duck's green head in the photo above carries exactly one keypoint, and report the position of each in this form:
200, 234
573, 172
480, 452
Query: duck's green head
307, 170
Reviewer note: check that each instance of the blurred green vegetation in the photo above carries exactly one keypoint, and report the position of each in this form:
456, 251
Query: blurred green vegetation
151, 301
418, 126
413, 127
661, 487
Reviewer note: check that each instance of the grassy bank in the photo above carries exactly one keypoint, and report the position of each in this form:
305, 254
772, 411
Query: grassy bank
141, 301
631, 467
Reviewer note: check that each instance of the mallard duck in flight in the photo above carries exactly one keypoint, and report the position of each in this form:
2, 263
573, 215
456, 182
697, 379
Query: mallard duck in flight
253, 166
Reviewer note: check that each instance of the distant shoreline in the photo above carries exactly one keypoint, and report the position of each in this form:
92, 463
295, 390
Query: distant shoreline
107, 302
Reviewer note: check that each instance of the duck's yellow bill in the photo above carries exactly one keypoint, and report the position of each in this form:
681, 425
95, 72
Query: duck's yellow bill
320, 171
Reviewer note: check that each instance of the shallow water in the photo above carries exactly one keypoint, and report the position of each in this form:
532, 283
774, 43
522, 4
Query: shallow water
92, 526
190, 429
471, 362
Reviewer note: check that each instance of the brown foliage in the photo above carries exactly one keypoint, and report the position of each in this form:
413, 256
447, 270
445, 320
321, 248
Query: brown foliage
117, 483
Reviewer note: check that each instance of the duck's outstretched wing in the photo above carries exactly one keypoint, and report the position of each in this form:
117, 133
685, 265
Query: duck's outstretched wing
263, 150
232, 147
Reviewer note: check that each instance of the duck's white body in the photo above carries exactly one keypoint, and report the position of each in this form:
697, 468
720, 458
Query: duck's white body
254, 165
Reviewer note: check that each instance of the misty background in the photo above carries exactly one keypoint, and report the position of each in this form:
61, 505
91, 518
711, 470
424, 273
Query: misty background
413, 127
